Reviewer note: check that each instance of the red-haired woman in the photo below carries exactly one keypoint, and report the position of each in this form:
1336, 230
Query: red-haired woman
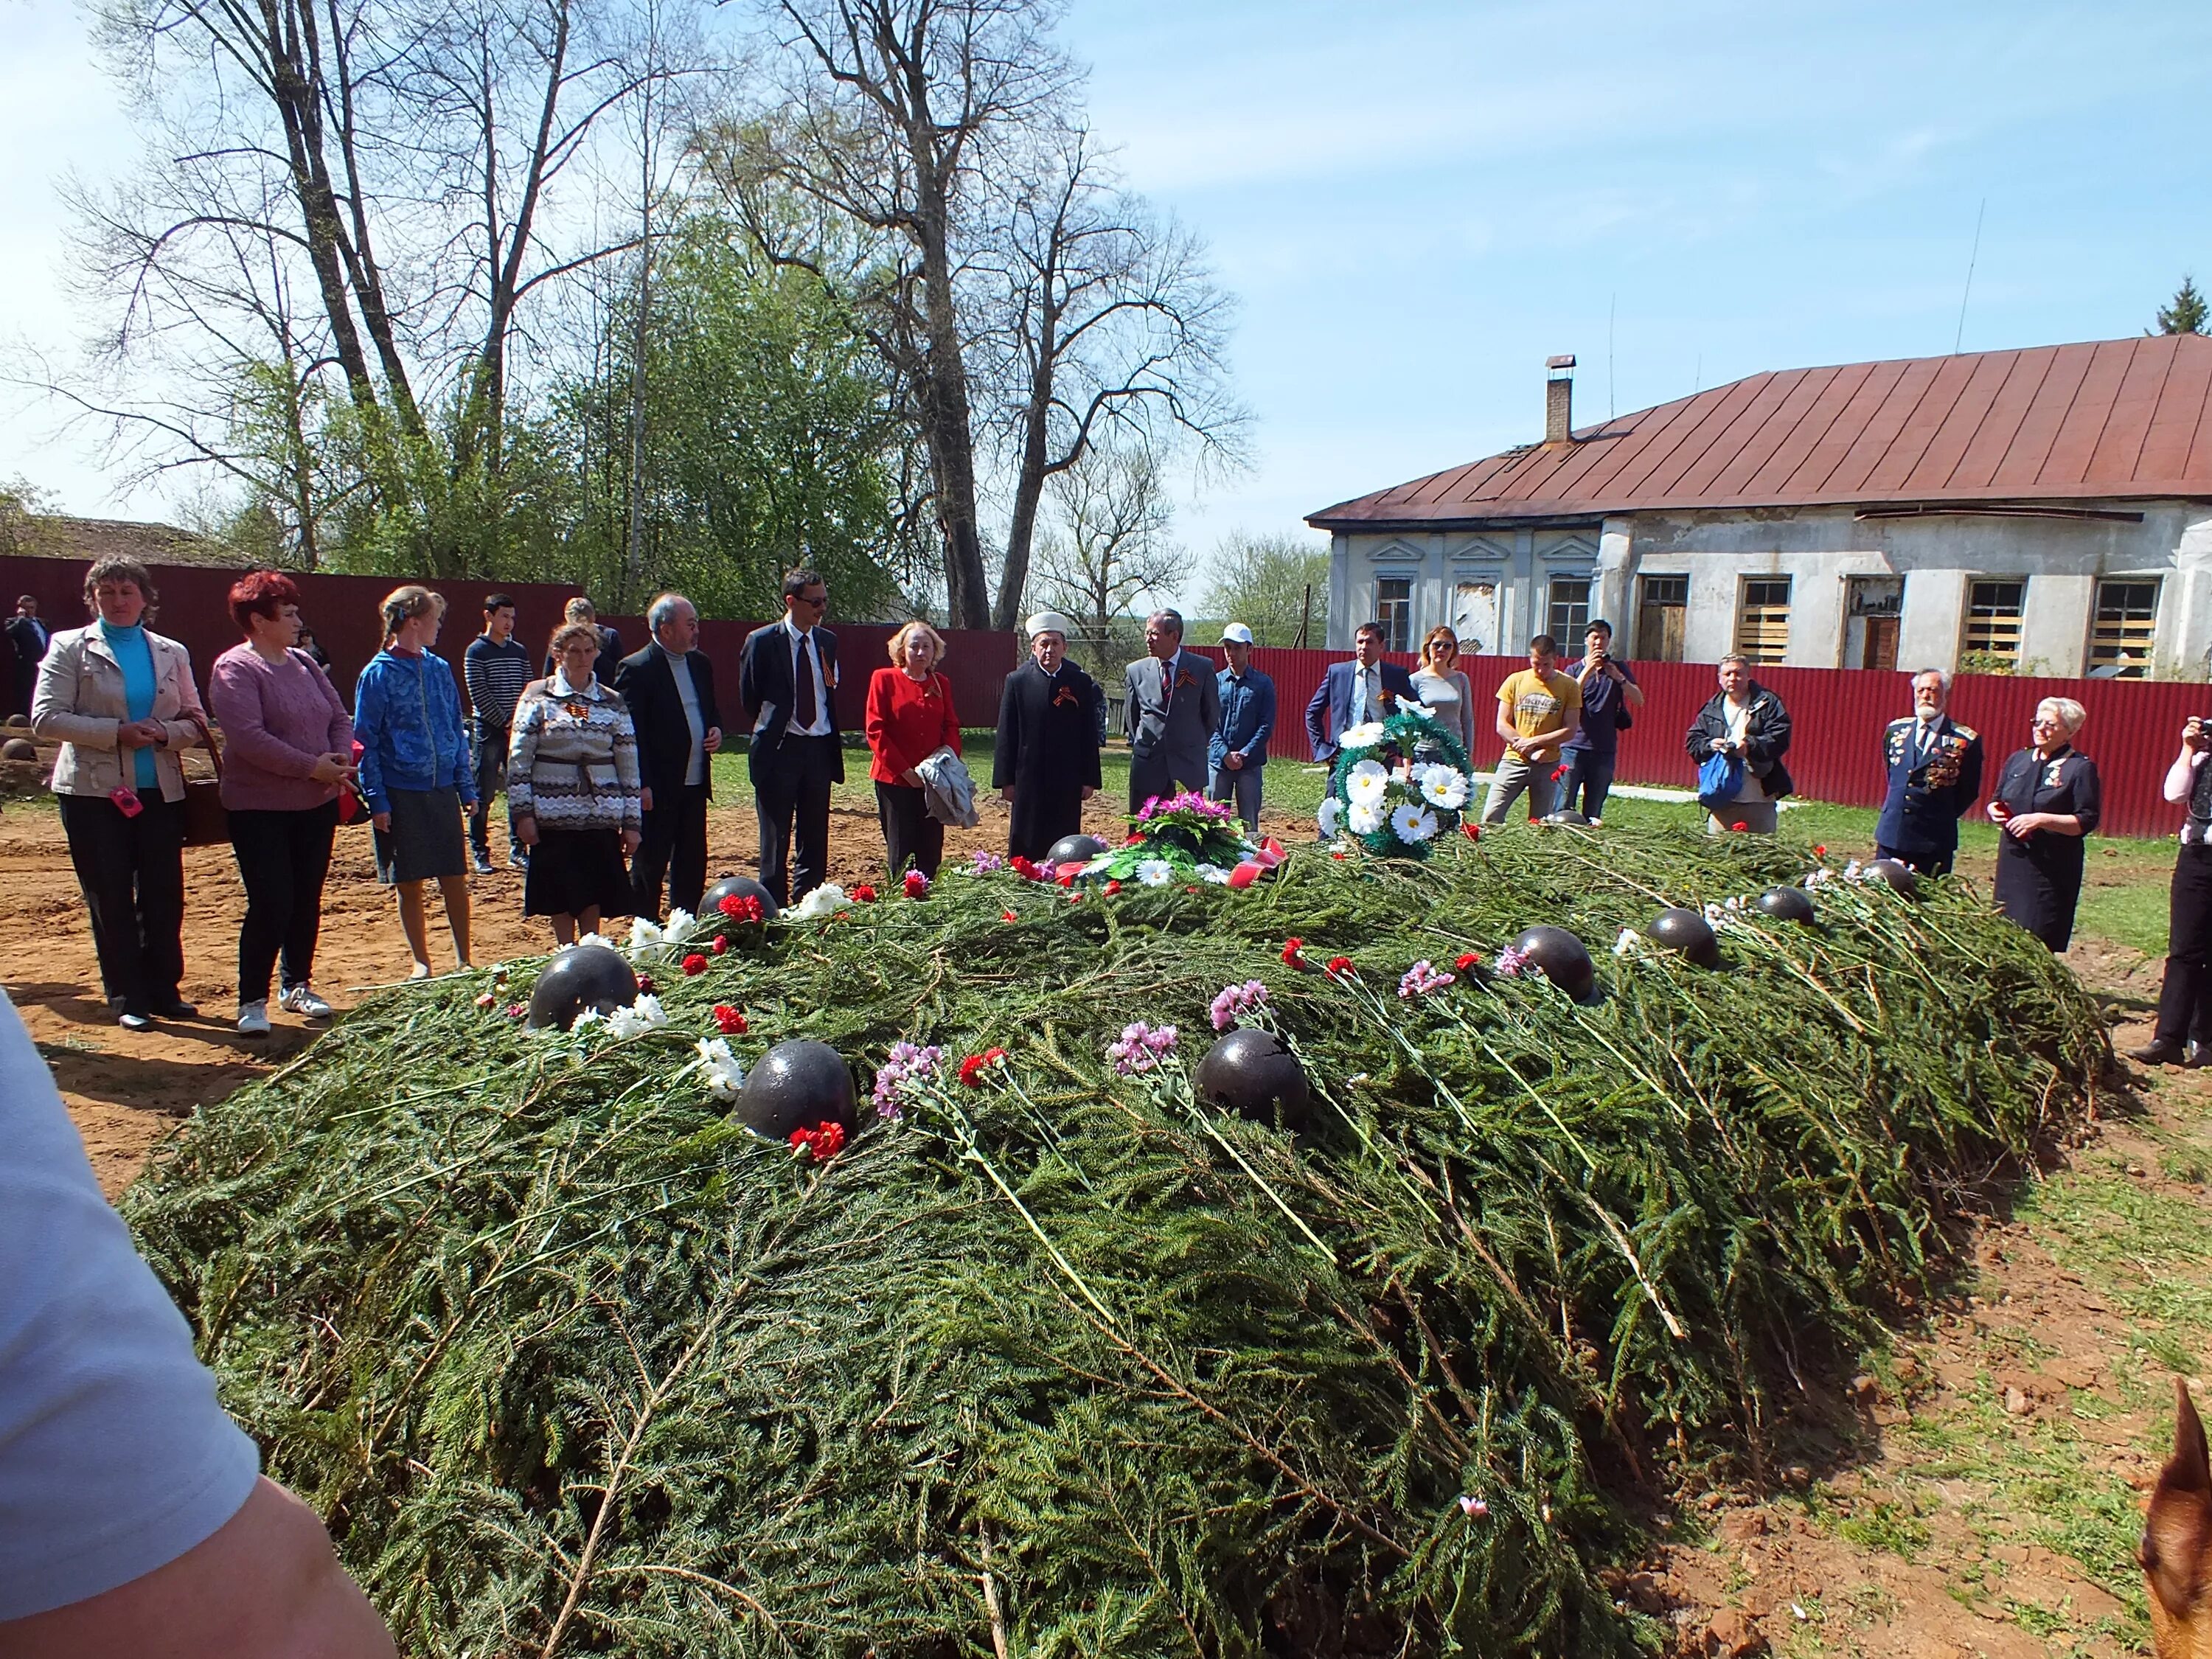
287, 745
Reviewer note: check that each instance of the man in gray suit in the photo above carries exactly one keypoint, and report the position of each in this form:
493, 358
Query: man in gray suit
1171, 707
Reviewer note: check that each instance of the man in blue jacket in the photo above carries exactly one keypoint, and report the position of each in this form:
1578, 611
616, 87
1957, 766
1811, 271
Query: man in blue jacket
1238, 748
1352, 693
1934, 767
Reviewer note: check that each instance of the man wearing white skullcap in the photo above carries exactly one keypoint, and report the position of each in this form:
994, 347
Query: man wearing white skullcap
1047, 763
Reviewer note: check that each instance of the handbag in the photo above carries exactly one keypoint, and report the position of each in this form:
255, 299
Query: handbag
1720, 779
206, 821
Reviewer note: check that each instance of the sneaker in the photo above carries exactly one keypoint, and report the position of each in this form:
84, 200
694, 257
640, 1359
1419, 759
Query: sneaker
480, 863
131, 1022
253, 1019
518, 858
301, 1000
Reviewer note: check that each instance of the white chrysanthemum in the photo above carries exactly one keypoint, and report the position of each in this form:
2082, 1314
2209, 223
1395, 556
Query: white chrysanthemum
1626, 943
1365, 735
1155, 873
1445, 786
1365, 818
826, 900
646, 940
680, 925
599, 939
1330, 818
584, 1017
1368, 782
646, 1014
1414, 824
1212, 872
725, 1077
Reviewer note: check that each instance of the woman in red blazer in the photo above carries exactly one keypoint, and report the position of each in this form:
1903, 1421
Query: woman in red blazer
910, 718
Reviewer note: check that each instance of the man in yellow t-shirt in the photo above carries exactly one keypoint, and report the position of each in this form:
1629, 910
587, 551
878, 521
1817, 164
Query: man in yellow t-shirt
1539, 709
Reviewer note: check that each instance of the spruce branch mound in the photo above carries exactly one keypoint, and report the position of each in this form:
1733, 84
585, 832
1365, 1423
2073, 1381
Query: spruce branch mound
1065, 1364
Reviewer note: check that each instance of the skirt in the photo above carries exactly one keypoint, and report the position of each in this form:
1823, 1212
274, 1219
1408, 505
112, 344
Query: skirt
425, 842
572, 871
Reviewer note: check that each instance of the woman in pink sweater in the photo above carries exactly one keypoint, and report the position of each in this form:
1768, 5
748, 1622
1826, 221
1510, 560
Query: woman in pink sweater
287, 745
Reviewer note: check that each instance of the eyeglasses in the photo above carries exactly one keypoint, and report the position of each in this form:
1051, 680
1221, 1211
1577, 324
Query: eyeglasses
817, 600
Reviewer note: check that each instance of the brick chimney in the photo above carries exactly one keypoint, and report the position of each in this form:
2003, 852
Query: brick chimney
1559, 399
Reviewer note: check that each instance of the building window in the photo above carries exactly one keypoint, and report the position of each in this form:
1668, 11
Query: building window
2120, 637
1762, 619
1394, 609
1568, 612
1993, 615
1662, 607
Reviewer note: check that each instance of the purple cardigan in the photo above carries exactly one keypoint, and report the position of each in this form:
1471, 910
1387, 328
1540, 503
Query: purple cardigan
277, 720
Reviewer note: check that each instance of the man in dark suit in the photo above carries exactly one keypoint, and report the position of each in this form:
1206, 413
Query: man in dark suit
670, 689
1934, 767
1170, 706
29, 636
1352, 693
785, 679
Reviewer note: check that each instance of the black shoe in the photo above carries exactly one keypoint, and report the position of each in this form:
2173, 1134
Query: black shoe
2159, 1052
480, 863
2199, 1054
131, 1022
175, 1008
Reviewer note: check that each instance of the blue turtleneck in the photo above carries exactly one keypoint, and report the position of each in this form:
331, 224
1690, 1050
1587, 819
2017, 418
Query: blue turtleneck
135, 658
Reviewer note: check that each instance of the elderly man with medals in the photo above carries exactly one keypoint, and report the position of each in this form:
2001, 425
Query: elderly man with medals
1047, 761
1934, 767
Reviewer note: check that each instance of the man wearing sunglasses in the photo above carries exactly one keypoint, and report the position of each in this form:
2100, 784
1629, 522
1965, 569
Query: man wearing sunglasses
787, 680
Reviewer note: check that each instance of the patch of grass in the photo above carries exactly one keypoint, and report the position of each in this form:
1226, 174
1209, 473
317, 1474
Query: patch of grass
2133, 915
2188, 1162
1892, 1527
2143, 1249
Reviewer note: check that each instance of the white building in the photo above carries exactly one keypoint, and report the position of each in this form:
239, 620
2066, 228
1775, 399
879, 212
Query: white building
2048, 510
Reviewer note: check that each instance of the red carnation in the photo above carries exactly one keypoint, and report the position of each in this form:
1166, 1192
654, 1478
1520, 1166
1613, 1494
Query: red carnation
645, 984
1339, 856
1820, 852
741, 906
1340, 967
1112, 887
971, 1069
824, 1141
731, 1022
863, 894
1008, 915
1024, 868
916, 884
1472, 831
721, 944
695, 963
1738, 826
1291, 947
1468, 962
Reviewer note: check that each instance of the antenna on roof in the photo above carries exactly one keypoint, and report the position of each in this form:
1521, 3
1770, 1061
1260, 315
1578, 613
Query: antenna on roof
1611, 305
1959, 338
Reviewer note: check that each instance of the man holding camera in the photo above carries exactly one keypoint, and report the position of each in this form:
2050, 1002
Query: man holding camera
1935, 766
1610, 698
2184, 1036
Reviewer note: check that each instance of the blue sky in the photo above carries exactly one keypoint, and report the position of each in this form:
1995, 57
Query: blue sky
1417, 202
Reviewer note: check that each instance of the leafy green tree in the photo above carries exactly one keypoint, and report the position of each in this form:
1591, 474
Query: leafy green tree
1264, 581
2189, 313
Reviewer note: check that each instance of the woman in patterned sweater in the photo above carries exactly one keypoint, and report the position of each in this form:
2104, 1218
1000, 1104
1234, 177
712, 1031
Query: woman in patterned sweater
572, 784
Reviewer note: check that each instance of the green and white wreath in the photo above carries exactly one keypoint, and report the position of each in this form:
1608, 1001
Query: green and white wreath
1400, 782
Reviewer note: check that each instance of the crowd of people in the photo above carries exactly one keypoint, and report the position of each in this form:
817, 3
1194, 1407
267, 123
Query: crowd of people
607, 761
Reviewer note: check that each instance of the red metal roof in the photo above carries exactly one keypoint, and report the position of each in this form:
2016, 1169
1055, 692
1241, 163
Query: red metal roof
2104, 420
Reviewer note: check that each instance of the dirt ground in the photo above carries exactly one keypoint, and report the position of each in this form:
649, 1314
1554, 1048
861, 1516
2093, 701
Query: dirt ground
1973, 1490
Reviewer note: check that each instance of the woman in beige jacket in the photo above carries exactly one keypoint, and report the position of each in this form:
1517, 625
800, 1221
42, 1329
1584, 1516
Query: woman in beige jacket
120, 699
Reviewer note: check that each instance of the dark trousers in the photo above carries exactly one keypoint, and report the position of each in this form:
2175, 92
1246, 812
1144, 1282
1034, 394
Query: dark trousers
282, 858
910, 835
1928, 864
1241, 786
491, 778
132, 872
673, 847
2185, 1003
790, 801
1589, 778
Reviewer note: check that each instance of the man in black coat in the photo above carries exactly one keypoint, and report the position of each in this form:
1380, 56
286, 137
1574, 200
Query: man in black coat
785, 680
30, 637
670, 689
1045, 762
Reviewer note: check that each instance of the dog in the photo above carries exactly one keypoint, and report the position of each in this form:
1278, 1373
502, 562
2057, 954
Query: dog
2176, 1553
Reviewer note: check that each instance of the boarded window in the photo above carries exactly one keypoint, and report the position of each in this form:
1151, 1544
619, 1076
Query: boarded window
1568, 612
1394, 609
1662, 607
1993, 615
2120, 636
1762, 619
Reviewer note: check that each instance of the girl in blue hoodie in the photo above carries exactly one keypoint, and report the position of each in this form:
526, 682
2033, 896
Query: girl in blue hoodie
415, 772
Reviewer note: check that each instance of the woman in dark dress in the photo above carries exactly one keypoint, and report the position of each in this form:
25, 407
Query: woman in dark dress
2047, 799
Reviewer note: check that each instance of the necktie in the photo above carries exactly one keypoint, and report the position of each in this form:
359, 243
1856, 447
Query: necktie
803, 710
1167, 686
1926, 741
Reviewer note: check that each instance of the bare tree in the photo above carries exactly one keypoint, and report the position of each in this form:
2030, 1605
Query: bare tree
1276, 583
1114, 332
1105, 545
